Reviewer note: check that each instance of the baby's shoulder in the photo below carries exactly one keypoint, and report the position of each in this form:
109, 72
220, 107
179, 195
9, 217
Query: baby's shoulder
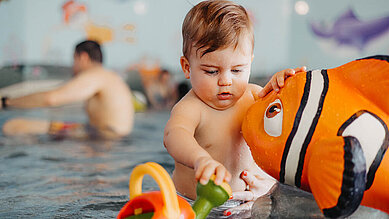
252, 91
188, 104
253, 88
186, 113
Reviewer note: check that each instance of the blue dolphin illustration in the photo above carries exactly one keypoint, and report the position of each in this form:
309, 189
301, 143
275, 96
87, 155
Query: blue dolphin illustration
349, 30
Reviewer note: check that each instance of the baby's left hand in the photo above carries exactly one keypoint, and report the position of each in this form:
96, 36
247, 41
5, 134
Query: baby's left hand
278, 79
257, 187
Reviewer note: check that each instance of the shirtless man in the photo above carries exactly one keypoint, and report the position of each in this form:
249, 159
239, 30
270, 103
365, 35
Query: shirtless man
107, 100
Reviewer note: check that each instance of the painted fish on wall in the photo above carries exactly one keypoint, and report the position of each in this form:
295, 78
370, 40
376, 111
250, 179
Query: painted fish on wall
327, 132
71, 8
350, 30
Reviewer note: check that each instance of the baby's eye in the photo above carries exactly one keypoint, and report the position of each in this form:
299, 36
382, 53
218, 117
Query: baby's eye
210, 71
236, 70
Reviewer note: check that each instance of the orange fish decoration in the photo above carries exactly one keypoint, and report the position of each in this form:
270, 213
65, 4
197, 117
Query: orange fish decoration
70, 8
327, 132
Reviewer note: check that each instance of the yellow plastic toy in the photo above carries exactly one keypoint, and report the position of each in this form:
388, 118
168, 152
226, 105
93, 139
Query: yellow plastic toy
166, 204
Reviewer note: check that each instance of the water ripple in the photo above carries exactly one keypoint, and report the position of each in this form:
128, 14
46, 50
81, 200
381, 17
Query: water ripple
43, 178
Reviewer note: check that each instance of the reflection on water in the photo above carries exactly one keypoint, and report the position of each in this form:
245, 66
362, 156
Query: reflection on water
42, 178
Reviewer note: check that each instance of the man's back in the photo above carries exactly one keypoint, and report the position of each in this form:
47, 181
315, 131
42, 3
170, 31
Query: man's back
107, 97
110, 109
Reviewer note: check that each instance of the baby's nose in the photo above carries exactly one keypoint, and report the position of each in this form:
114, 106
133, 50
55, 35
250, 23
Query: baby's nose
225, 79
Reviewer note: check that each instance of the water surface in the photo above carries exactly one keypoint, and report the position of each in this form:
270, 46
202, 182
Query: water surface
44, 178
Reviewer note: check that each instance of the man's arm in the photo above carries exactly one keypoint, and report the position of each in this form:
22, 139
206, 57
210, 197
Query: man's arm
81, 88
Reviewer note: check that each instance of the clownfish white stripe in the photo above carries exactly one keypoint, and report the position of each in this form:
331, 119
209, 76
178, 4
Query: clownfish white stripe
304, 125
372, 135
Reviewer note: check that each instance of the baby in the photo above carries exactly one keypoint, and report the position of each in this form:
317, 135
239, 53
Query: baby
203, 134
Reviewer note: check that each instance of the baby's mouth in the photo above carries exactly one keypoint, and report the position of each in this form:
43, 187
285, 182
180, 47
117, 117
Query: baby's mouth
224, 96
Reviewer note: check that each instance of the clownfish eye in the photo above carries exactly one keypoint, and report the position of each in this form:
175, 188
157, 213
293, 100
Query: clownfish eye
273, 110
272, 120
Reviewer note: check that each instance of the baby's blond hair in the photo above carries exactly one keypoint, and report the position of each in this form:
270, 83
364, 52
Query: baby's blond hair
215, 24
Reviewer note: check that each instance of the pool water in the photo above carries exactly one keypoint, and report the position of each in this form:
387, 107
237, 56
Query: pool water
44, 178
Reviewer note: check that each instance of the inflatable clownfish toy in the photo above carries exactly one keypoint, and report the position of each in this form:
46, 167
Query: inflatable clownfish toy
327, 132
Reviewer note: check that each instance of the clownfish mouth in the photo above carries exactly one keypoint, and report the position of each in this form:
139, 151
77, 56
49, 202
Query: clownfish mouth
224, 96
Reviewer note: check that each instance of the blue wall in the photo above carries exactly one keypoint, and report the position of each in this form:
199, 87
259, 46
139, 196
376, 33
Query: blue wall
35, 32
308, 49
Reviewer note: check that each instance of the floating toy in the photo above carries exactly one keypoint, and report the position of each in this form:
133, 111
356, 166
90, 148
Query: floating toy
166, 203
139, 101
326, 132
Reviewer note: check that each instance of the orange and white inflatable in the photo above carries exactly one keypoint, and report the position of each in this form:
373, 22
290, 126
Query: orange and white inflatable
327, 132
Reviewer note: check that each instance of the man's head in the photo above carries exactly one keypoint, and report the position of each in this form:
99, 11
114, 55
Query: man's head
218, 51
215, 24
86, 54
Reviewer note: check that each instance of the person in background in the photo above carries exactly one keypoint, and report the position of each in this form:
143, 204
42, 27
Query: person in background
158, 85
162, 91
107, 99
203, 134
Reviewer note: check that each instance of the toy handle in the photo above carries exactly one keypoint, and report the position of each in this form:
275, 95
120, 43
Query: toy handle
171, 208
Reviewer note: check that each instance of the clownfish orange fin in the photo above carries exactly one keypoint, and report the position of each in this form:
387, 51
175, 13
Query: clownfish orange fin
337, 175
370, 76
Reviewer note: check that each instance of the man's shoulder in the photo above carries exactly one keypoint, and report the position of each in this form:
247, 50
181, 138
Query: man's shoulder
98, 71
100, 74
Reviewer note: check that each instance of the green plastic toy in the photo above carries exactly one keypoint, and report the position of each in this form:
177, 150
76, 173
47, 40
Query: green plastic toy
166, 203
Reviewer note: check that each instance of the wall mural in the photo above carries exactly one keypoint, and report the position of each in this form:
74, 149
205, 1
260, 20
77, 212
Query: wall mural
76, 14
350, 31
71, 9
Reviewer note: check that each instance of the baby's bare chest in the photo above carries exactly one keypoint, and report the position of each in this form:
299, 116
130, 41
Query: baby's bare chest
224, 141
221, 135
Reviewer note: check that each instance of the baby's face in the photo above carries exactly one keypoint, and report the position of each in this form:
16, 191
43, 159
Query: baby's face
220, 78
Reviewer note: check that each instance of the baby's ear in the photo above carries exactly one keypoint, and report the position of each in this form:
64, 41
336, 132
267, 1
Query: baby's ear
185, 66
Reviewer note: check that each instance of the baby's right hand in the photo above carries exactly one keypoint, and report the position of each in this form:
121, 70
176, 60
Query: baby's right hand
205, 167
278, 80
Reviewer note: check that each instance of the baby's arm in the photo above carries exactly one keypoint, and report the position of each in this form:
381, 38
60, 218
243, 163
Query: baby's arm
182, 146
277, 80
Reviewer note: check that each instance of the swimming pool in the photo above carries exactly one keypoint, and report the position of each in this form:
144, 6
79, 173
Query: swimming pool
43, 178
